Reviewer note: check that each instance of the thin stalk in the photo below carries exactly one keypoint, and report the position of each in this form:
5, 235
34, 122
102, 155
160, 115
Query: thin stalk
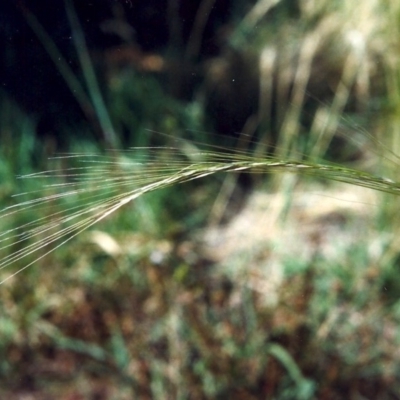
90, 76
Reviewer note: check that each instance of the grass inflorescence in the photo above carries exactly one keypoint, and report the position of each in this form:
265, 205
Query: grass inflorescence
189, 270
101, 185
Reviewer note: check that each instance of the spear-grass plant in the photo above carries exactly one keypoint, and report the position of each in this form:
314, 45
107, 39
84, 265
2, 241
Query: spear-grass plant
147, 311
79, 197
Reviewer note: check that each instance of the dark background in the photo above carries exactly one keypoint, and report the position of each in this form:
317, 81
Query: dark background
116, 33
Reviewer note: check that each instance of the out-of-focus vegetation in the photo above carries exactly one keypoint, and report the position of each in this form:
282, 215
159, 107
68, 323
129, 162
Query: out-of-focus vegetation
285, 288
